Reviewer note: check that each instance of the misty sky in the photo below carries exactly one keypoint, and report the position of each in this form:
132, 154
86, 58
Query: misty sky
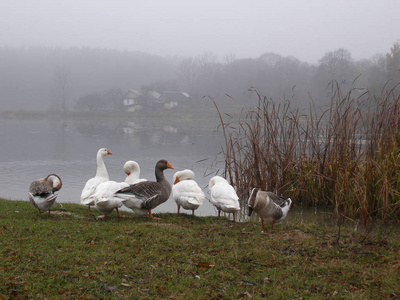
304, 29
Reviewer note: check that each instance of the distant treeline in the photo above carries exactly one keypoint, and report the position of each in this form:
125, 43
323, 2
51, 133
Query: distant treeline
56, 78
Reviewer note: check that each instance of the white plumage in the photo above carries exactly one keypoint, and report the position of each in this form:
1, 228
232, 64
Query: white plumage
186, 192
132, 169
104, 199
101, 176
223, 196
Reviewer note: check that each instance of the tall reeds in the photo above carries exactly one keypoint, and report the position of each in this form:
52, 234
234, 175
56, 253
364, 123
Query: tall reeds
345, 156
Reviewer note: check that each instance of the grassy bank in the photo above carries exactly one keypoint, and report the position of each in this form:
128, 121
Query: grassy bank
70, 254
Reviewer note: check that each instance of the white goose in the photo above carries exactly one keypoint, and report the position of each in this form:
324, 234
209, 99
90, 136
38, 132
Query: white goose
144, 196
223, 196
186, 191
41, 192
101, 176
104, 199
132, 169
268, 206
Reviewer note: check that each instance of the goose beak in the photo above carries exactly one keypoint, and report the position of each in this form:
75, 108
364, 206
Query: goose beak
176, 180
108, 152
250, 210
169, 166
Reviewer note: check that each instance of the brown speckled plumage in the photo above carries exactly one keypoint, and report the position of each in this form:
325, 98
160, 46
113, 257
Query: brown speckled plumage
41, 192
268, 206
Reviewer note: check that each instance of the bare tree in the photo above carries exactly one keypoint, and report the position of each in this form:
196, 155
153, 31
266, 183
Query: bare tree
62, 86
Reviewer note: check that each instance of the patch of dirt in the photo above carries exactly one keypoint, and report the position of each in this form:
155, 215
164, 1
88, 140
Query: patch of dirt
296, 236
66, 213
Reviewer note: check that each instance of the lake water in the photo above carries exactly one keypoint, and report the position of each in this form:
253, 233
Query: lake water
34, 149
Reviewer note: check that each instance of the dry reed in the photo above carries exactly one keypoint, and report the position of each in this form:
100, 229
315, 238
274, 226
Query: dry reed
345, 156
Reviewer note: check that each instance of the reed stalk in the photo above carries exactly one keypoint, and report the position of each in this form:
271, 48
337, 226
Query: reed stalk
345, 156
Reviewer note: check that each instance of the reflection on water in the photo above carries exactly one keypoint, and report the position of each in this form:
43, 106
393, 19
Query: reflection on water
320, 217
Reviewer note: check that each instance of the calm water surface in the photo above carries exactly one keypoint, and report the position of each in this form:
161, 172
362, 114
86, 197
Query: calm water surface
34, 149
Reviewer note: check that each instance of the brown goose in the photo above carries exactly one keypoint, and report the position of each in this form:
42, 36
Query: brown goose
268, 206
144, 196
41, 192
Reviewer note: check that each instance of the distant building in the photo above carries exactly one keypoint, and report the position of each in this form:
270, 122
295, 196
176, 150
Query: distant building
169, 100
136, 100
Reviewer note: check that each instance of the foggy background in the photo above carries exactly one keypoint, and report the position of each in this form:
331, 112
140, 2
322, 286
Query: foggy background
99, 50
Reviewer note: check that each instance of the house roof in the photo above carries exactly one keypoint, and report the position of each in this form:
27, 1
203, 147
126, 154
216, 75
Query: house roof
136, 94
174, 96
154, 94
132, 94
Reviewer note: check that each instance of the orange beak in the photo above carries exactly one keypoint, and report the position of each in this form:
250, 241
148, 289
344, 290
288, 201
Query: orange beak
176, 180
128, 173
108, 152
169, 166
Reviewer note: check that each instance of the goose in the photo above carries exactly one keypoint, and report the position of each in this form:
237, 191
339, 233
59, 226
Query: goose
104, 199
101, 176
223, 196
41, 192
268, 206
144, 196
132, 169
186, 191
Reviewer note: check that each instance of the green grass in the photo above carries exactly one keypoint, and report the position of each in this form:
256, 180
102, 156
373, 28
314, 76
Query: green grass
72, 255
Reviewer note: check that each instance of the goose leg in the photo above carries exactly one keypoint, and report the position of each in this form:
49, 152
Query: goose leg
262, 224
192, 212
219, 212
234, 220
119, 215
179, 208
62, 207
151, 216
49, 211
272, 225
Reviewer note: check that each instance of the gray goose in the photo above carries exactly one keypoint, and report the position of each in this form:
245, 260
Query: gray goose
41, 192
268, 206
144, 196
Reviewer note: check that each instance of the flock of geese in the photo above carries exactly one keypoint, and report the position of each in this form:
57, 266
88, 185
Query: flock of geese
142, 196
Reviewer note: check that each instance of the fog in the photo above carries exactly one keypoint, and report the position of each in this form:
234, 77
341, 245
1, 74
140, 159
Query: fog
84, 50
247, 29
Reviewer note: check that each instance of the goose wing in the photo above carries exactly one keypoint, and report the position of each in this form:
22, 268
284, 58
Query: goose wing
224, 196
189, 189
40, 188
149, 192
277, 200
90, 187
